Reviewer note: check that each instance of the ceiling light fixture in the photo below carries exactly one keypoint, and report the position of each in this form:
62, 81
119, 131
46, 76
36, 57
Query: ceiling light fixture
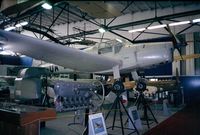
18, 25
7, 52
179, 23
137, 30
119, 40
21, 24
196, 20
24, 23
157, 27
47, 6
102, 30
10, 28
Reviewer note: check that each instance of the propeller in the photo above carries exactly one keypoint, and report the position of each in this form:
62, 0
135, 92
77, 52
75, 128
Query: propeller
176, 42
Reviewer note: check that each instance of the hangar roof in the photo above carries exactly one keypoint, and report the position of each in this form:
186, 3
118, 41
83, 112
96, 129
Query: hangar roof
98, 9
63, 12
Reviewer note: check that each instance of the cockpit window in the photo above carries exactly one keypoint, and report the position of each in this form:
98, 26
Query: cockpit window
105, 48
117, 47
109, 47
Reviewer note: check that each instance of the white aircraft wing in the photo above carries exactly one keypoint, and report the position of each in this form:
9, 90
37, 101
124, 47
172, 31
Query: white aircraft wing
55, 53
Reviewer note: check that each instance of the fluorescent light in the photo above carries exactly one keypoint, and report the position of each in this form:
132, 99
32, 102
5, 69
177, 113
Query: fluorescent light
136, 30
23, 23
10, 28
102, 30
46, 6
157, 27
18, 25
74, 40
119, 40
7, 52
196, 20
179, 23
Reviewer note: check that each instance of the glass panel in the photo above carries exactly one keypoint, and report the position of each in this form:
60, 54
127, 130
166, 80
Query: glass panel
118, 47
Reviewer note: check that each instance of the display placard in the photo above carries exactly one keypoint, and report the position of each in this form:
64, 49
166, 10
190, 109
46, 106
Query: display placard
97, 124
135, 117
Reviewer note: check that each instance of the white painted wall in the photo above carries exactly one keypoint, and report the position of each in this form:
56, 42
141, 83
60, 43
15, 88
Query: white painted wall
190, 69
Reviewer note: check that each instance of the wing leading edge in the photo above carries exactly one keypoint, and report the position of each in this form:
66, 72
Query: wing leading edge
55, 53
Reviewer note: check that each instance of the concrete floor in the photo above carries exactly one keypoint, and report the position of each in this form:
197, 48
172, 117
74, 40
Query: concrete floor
60, 125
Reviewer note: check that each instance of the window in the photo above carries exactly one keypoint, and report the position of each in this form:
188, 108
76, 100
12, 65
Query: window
105, 48
117, 47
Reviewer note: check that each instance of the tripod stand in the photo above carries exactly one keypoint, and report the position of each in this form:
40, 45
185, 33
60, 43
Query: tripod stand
118, 86
146, 107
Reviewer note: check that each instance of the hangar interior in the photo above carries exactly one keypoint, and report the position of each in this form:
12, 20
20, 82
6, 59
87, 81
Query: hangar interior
50, 84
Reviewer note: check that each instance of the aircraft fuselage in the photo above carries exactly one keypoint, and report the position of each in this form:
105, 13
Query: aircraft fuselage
135, 57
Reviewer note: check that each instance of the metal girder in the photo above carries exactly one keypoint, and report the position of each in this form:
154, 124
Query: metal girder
34, 18
43, 33
35, 35
166, 17
178, 15
149, 8
185, 28
159, 5
137, 6
42, 27
55, 19
121, 36
127, 6
155, 33
141, 32
79, 34
83, 17
29, 13
23, 16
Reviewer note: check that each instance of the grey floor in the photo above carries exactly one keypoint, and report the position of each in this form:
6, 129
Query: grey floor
62, 126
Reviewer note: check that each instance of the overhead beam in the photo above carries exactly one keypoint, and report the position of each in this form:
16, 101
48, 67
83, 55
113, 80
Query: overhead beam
43, 33
161, 18
141, 32
83, 17
127, 6
55, 19
25, 15
141, 22
185, 29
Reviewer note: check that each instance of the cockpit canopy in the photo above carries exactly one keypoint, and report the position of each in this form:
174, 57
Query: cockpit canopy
110, 46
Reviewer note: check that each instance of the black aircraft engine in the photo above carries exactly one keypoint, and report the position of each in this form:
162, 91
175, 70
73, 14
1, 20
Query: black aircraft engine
74, 95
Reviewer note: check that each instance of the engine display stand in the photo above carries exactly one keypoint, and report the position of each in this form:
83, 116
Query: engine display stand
141, 86
117, 106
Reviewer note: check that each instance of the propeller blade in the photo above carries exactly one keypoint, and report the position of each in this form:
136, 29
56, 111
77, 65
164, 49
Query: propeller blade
179, 51
176, 41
